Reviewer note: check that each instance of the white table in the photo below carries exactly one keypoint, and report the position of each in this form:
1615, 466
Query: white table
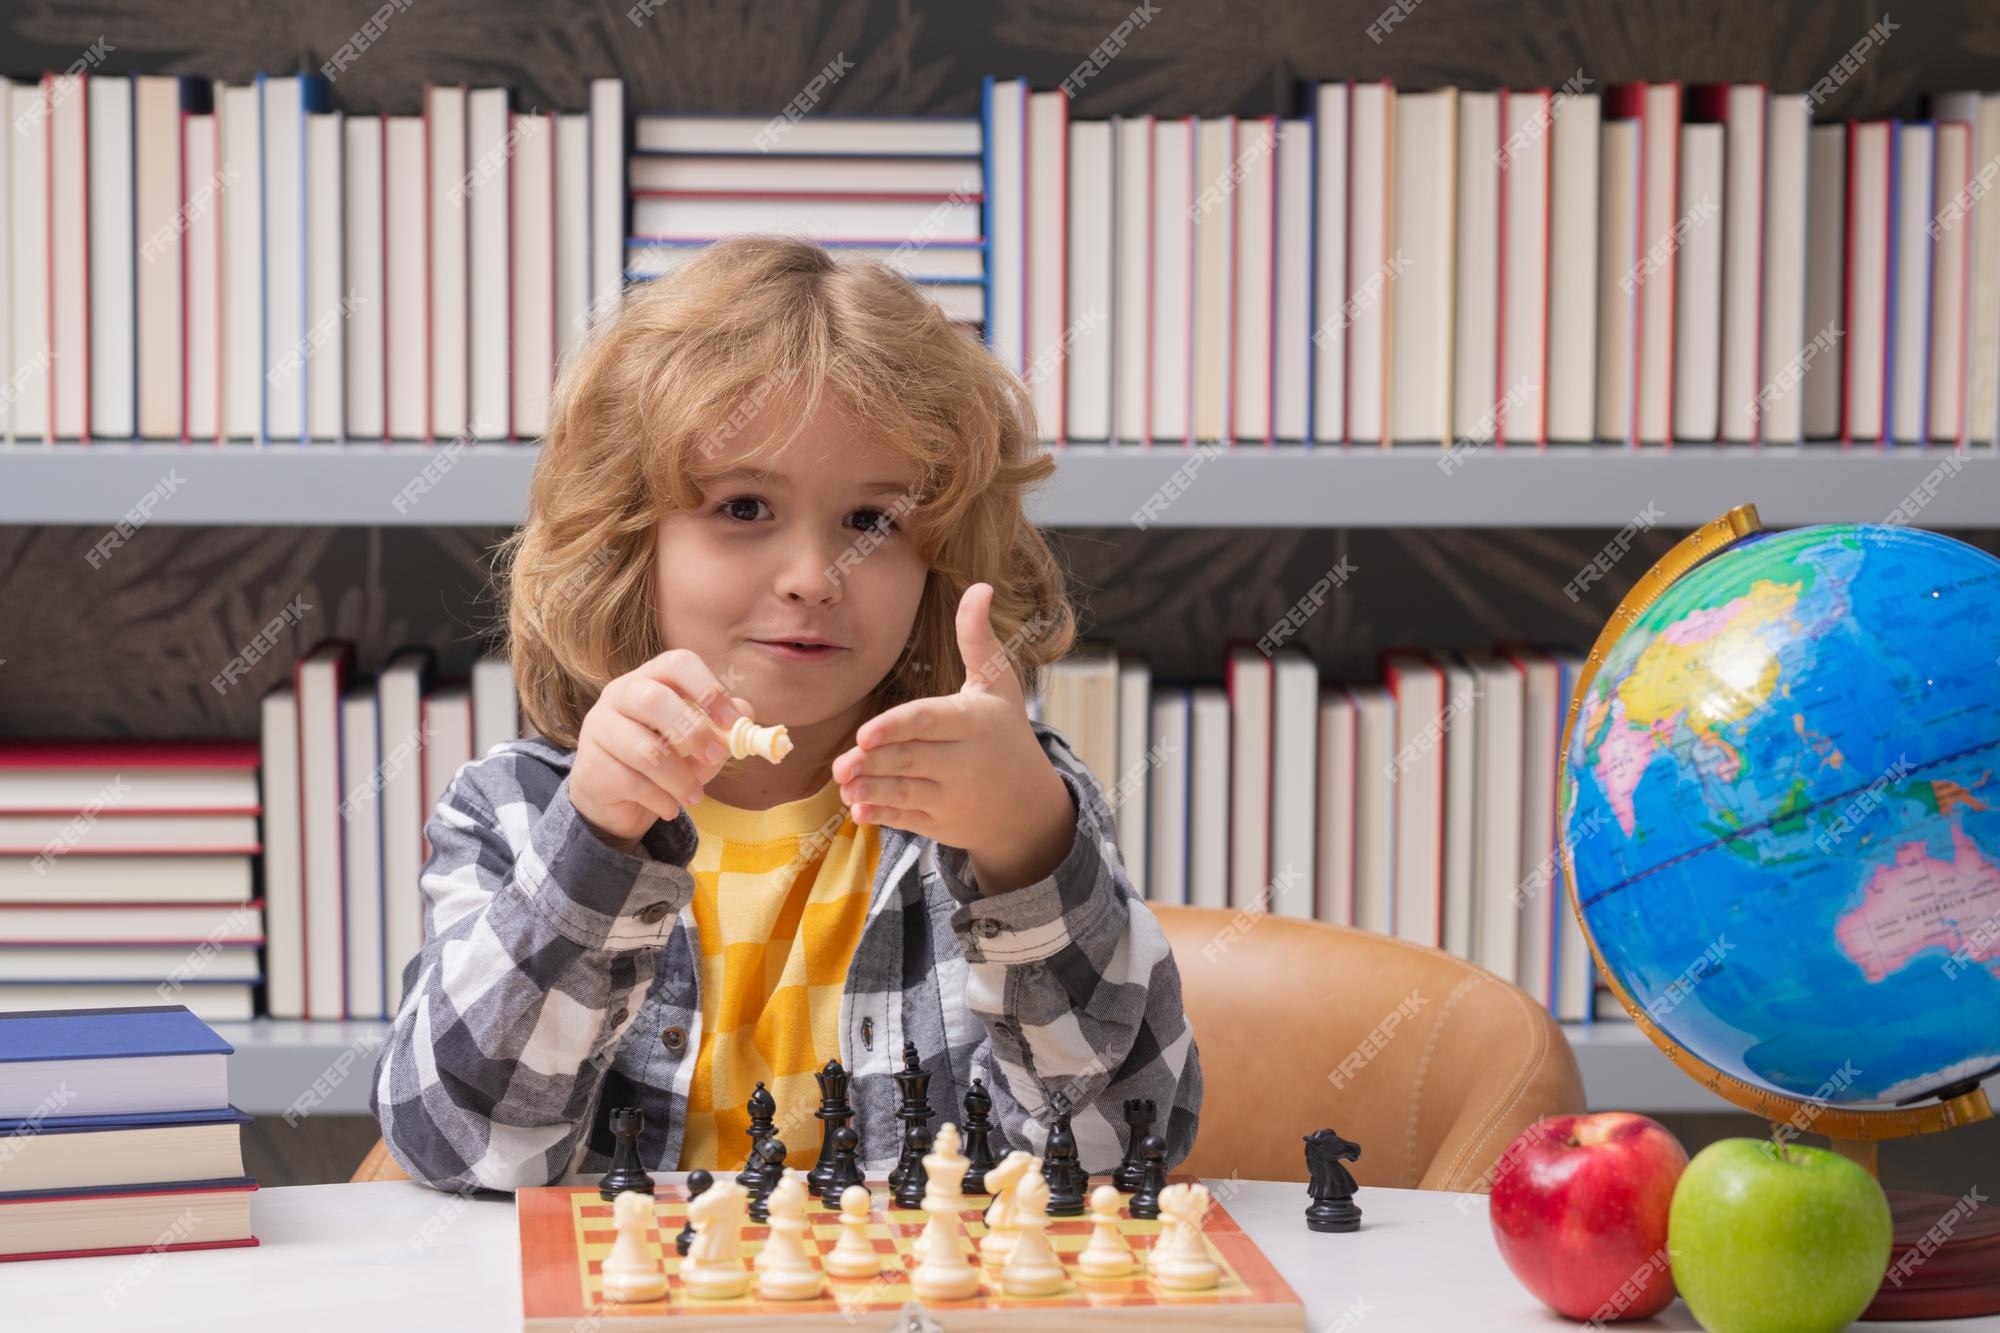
399, 1258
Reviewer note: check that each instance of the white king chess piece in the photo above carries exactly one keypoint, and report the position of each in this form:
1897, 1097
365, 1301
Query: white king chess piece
632, 1271
944, 1271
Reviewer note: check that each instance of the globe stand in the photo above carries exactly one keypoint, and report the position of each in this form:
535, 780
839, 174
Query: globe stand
1944, 1257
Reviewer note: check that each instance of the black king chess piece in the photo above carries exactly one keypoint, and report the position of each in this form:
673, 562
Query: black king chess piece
626, 1171
834, 1113
1139, 1116
763, 1110
978, 1137
1060, 1168
913, 1083
1332, 1188
698, 1183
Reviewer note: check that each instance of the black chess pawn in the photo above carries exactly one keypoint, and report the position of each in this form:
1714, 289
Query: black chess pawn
916, 1142
1138, 1124
770, 1163
1145, 1202
1060, 1168
763, 1110
835, 1112
842, 1169
1332, 1186
978, 1129
698, 1183
626, 1171
914, 1107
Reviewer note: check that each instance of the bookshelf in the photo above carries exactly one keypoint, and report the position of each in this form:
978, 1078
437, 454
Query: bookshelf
1245, 486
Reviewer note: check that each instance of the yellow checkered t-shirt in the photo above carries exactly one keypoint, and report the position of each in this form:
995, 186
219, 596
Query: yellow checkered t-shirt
780, 896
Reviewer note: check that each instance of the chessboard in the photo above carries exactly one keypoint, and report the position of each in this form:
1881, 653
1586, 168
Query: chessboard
567, 1230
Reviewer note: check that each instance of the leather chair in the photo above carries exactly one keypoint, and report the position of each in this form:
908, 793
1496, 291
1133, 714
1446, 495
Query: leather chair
1431, 1064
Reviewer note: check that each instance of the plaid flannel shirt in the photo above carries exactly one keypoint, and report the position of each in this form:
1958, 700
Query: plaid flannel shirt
557, 980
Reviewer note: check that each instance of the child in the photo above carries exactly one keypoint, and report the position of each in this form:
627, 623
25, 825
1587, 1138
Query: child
782, 487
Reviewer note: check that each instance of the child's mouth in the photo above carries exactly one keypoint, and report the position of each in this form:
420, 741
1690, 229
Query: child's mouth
799, 652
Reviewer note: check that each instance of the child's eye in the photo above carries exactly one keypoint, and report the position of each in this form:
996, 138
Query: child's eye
876, 520
734, 507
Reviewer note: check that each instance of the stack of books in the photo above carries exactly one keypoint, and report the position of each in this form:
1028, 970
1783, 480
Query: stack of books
907, 190
354, 768
126, 875
117, 1136
1422, 806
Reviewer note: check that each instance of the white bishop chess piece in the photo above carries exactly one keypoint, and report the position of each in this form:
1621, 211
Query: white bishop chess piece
1032, 1269
714, 1269
785, 1270
1107, 1254
632, 1272
944, 1271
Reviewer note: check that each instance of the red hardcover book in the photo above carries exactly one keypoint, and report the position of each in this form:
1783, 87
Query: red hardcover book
54, 1213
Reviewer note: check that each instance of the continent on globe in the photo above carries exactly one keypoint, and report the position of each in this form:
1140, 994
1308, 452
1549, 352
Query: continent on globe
1918, 902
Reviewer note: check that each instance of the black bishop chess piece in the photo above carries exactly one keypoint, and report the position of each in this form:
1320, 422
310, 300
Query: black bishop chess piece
834, 1114
1152, 1178
698, 1183
1332, 1185
763, 1110
913, 1082
978, 1129
844, 1169
1067, 1180
909, 1191
626, 1173
770, 1163
1139, 1116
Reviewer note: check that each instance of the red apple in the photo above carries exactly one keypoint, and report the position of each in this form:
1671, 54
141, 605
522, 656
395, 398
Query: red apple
1579, 1209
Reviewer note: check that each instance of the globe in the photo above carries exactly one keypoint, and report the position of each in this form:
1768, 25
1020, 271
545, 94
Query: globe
1779, 809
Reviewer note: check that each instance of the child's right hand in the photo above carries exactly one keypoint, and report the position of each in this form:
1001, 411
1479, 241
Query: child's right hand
645, 747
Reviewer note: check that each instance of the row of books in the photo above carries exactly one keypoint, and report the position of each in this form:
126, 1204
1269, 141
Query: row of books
1422, 806
353, 768
181, 260
117, 1137
127, 875
1641, 265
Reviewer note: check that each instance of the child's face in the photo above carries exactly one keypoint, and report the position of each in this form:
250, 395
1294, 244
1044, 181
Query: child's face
815, 547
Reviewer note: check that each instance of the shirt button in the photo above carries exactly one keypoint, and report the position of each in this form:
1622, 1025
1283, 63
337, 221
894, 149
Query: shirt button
989, 927
653, 913
619, 1015
674, 1039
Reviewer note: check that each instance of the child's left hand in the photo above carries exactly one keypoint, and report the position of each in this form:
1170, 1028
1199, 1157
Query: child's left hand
966, 769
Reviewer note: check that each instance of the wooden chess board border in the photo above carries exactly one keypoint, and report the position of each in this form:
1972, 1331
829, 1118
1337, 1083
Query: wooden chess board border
560, 1242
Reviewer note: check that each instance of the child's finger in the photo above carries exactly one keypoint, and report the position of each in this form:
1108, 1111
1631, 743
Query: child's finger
941, 718
903, 793
664, 710
636, 746
691, 678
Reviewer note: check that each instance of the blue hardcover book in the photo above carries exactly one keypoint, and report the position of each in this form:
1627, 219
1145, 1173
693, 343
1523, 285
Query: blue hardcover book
96, 1062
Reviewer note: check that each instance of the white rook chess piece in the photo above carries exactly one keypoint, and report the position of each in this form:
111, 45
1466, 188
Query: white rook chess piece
1002, 1180
786, 1271
1108, 1253
632, 1272
1032, 1269
854, 1255
1182, 1262
944, 1272
714, 1269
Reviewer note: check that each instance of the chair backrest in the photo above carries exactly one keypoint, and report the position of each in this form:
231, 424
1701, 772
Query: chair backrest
1431, 1064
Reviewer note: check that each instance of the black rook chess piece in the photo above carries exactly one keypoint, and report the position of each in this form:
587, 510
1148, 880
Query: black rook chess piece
834, 1113
1138, 1124
770, 1163
1152, 1177
978, 1137
1332, 1187
844, 1170
1060, 1168
626, 1172
763, 1109
698, 1183
916, 1142
914, 1107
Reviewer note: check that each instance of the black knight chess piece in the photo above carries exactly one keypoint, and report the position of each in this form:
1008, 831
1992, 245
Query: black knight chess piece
1332, 1188
626, 1171
834, 1114
978, 1137
763, 1110
1067, 1181
1139, 1115
698, 1183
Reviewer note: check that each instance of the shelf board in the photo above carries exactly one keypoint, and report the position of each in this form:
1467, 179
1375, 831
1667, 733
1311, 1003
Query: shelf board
1248, 486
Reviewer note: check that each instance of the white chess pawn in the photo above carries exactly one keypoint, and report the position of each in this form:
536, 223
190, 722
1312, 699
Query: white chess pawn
632, 1272
1108, 1253
1182, 1262
1001, 1181
714, 1269
853, 1255
785, 1269
944, 1272
1033, 1268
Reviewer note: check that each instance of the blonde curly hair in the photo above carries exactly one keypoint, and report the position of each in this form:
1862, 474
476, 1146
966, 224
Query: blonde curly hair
750, 325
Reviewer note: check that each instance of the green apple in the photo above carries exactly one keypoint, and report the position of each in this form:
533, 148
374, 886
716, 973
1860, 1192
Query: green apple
1766, 1238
